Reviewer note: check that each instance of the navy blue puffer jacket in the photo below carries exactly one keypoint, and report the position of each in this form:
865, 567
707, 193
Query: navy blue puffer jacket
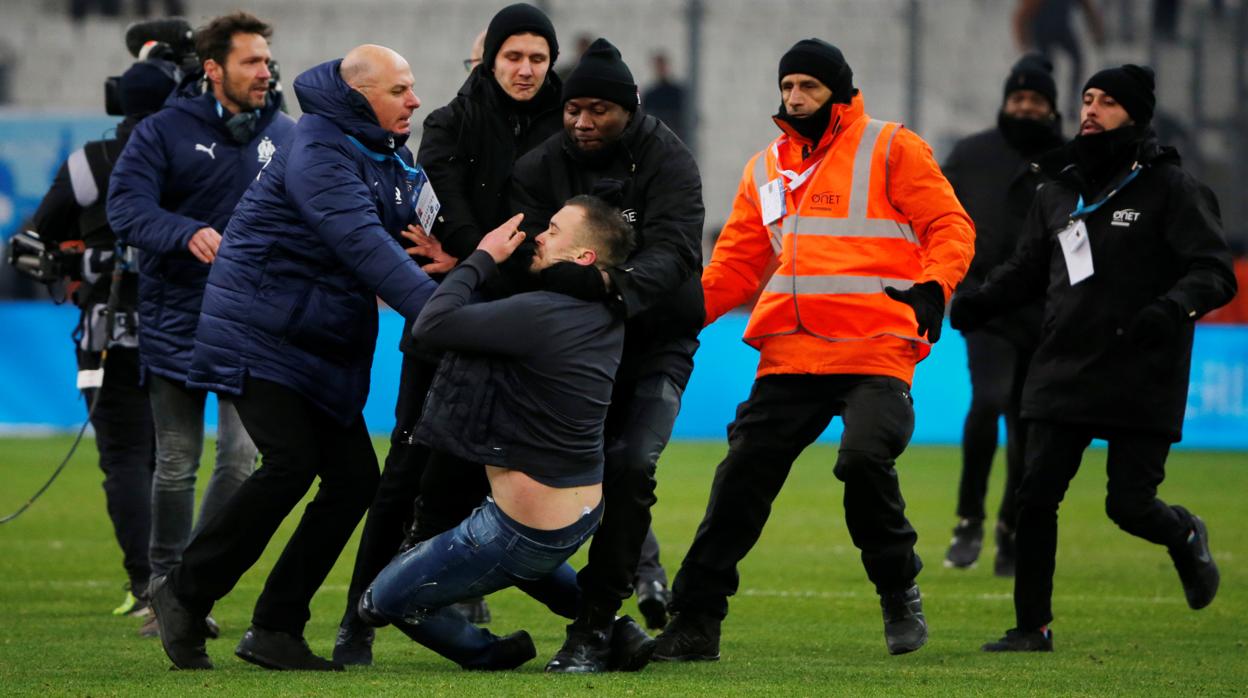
182, 171
292, 294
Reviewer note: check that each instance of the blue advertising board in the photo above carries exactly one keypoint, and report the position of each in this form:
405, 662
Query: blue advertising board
37, 381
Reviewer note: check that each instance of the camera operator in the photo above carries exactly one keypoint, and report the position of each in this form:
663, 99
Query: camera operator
73, 210
174, 188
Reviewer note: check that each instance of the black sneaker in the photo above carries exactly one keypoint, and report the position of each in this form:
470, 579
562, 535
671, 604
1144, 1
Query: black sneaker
181, 631
475, 610
353, 646
968, 539
1003, 563
585, 651
652, 600
688, 637
1194, 562
905, 628
280, 651
631, 647
1016, 640
507, 653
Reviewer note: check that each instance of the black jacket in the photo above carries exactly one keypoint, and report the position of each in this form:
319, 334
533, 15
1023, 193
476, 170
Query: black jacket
74, 209
659, 288
1166, 241
468, 149
526, 380
996, 185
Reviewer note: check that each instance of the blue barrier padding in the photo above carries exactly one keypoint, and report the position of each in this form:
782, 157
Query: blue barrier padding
37, 374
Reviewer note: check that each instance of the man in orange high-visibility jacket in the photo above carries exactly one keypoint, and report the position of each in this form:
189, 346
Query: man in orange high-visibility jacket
867, 241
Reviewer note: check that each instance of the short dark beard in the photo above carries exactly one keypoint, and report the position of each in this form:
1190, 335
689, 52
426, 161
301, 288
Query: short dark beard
243, 102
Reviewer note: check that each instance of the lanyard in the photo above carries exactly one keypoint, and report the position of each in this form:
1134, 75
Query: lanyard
1082, 211
793, 179
411, 172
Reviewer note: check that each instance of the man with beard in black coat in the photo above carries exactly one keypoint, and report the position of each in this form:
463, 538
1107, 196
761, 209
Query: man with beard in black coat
509, 104
991, 173
1127, 250
610, 148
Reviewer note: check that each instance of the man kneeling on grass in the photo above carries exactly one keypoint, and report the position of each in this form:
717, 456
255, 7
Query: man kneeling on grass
524, 388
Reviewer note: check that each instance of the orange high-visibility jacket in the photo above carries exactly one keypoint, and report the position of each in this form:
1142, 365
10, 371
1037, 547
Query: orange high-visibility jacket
876, 211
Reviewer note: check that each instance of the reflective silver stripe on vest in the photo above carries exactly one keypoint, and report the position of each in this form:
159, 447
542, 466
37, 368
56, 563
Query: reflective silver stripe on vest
869, 228
840, 283
760, 178
85, 191
860, 190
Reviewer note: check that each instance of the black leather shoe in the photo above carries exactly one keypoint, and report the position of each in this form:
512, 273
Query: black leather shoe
652, 600
688, 637
1194, 562
272, 649
905, 628
585, 651
181, 631
212, 631
353, 645
475, 610
1016, 640
631, 647
507, 653
964, 547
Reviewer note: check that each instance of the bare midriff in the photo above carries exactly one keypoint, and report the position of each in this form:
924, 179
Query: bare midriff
539, 506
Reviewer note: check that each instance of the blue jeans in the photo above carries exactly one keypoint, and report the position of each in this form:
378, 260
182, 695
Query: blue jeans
178, 415
486, 552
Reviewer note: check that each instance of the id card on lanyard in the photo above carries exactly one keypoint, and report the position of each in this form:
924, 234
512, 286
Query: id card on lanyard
771, 194
1076, 249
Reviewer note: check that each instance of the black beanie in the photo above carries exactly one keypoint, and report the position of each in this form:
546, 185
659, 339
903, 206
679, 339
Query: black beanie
1132, 85
145, 86
819, 59
517, 19
1033, 72
601, 73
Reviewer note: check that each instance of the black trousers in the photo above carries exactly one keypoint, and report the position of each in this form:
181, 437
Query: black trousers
782, 416
125, 439
998, 369
644, 403
1136, 463
391, 512
298, 443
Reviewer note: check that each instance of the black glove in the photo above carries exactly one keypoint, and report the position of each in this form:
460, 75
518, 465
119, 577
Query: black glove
968, 311
928, 301
1156, 323
577, 280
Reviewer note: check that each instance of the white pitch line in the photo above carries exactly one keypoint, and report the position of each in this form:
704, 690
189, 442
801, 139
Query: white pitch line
828, 594
761, 593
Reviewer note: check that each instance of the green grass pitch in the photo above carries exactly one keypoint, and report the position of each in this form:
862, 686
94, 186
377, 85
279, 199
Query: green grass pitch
806, 622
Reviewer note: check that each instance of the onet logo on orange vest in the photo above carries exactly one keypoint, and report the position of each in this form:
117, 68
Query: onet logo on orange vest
824, 200
853, 245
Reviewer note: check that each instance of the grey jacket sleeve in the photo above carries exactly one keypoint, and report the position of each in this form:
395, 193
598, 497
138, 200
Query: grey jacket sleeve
450, 320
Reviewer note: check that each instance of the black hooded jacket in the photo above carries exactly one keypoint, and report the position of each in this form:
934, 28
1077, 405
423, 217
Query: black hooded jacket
996, 184
1160, 237
659, 289
469, 147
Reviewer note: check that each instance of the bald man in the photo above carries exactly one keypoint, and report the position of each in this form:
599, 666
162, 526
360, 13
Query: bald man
287, 330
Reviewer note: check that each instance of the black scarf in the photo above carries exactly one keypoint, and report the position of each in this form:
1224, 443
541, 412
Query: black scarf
811, 127
1100, 156
1030, 136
